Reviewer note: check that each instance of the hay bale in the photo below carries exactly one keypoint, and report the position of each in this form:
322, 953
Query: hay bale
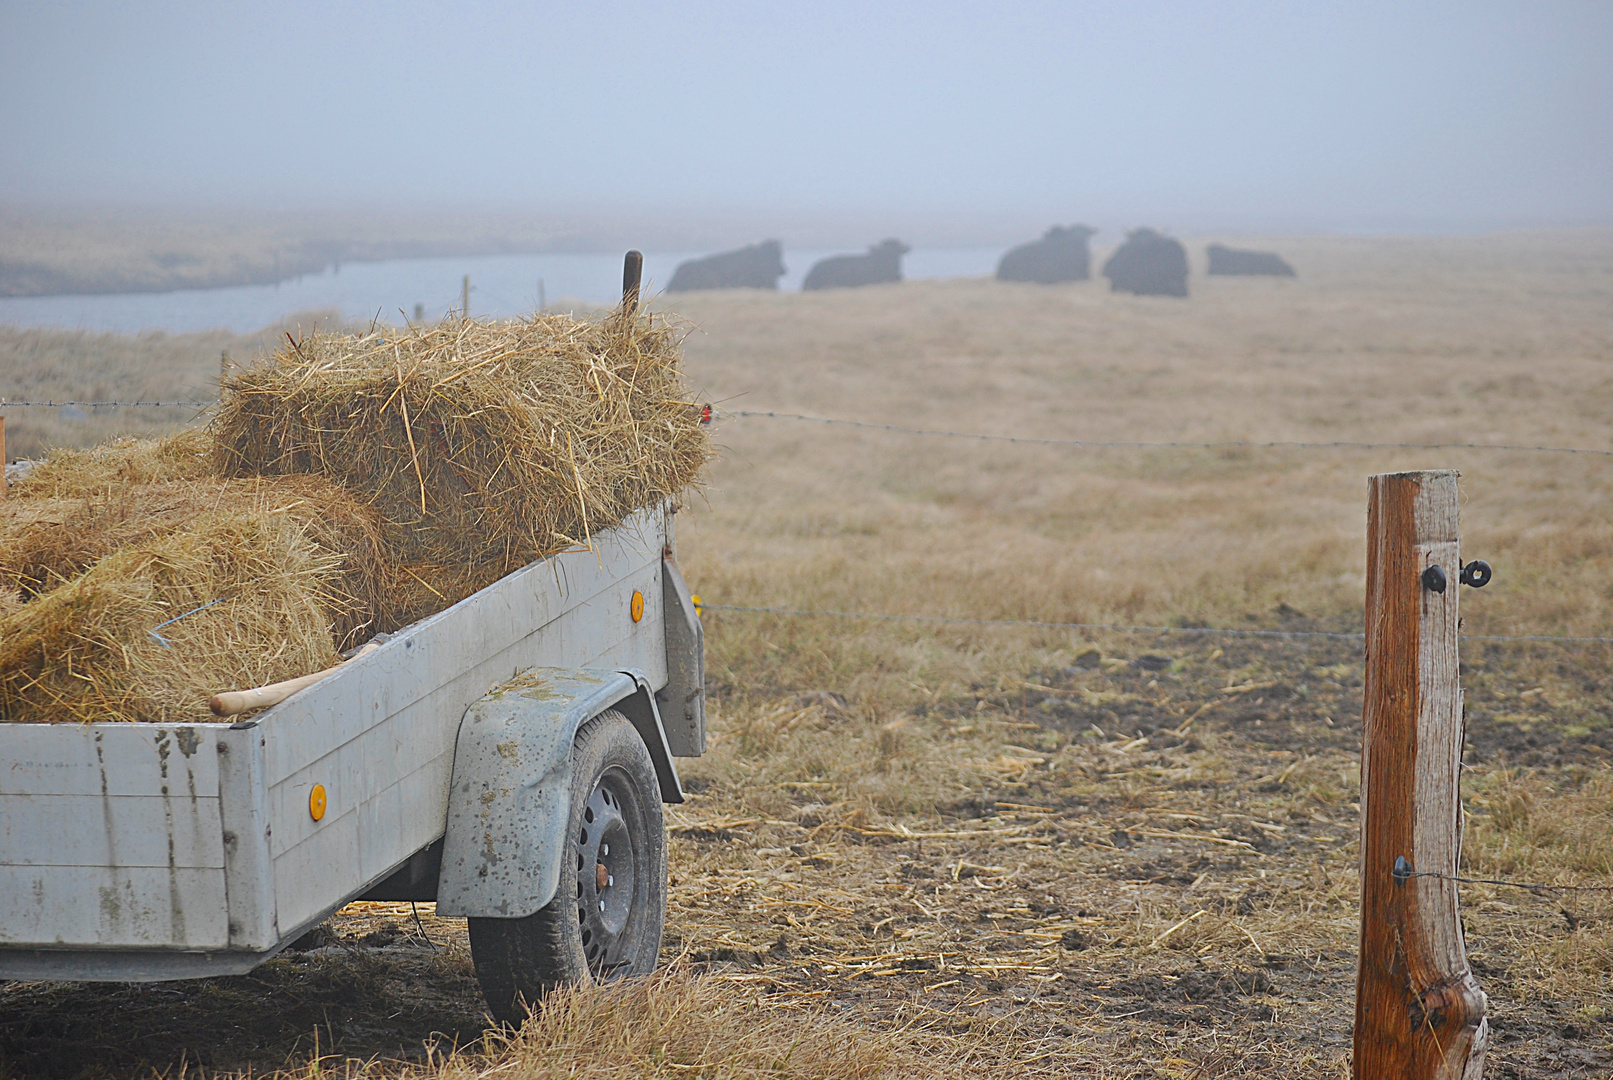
47, 543
55, 521
253, 590
68, 474
347, 485
102, 547
482, 446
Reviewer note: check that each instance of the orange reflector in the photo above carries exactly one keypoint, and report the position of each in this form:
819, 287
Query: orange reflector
316, 802
638, 606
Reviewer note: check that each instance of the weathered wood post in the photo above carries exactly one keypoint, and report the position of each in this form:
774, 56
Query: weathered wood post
632, 274
1419, 1013
2, 456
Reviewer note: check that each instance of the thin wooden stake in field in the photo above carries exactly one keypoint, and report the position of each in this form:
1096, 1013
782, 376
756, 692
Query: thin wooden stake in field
2, 457
1419, 1013
632, 275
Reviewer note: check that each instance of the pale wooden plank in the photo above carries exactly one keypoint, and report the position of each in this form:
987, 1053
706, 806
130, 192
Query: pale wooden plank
115, 830
424, 731
114, 759
313, 875
403, 819
475, 635
109, 907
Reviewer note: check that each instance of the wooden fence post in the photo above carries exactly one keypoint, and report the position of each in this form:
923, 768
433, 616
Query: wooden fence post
632, 274
2, 456
1419, 1013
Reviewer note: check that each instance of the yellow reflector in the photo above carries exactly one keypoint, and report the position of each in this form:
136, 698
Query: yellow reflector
638, 606
316, 802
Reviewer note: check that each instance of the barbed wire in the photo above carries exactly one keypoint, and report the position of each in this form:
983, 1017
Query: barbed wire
6, 404
1211, 631
1136, 444
1035, 623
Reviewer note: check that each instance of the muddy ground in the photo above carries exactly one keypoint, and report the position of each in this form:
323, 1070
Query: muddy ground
1154, 875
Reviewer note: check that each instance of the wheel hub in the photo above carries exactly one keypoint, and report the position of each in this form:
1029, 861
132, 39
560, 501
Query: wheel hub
604, 876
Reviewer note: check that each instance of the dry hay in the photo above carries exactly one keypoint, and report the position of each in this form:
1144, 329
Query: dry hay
249, 591
98, 470
50, 542
347, 485
99, 549
481, 445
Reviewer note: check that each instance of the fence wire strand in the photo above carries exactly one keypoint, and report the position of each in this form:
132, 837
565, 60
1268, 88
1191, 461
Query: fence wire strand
1095, 444
1126, 444
1026, 440
6, 404
1531, 886
1208, 631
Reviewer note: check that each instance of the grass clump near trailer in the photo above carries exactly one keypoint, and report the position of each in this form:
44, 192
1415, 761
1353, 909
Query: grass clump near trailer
348, 484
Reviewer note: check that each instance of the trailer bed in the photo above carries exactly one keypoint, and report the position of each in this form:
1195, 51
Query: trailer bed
155, 851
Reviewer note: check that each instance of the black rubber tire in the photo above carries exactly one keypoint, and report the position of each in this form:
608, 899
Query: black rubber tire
613, 782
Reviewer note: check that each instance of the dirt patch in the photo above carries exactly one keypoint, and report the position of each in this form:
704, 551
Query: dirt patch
1154, 865
372, 987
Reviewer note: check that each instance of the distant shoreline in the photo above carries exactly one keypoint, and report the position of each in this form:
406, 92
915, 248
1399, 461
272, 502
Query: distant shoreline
41, 259
31, 278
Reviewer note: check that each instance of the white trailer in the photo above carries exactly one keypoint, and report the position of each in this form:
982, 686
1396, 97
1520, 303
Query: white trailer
507, 758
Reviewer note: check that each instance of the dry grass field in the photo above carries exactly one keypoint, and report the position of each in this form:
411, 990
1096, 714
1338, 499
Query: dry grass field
953, 849
79, 365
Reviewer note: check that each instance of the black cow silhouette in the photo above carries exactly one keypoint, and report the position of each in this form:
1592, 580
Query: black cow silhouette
758, 266
1060, 255
882, 263
1148, 264
1231, 261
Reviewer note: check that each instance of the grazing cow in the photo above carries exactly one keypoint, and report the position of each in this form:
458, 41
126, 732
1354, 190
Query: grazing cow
758, 266
882, 263
1148, 264
1060, 255
1231, 261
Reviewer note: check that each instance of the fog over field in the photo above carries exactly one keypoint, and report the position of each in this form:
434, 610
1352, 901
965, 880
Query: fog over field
951, 123
1034, 669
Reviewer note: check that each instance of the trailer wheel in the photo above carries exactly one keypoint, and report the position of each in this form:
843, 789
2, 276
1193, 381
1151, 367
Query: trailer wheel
606, 917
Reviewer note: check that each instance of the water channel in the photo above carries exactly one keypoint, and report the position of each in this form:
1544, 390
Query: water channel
501, 286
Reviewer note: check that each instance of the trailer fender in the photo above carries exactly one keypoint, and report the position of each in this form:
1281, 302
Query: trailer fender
508, 801
683, 698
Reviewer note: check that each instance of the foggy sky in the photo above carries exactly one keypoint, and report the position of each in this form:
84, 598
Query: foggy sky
1253, 116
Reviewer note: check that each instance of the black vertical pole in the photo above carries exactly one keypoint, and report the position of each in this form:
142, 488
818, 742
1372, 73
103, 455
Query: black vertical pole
632, 274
